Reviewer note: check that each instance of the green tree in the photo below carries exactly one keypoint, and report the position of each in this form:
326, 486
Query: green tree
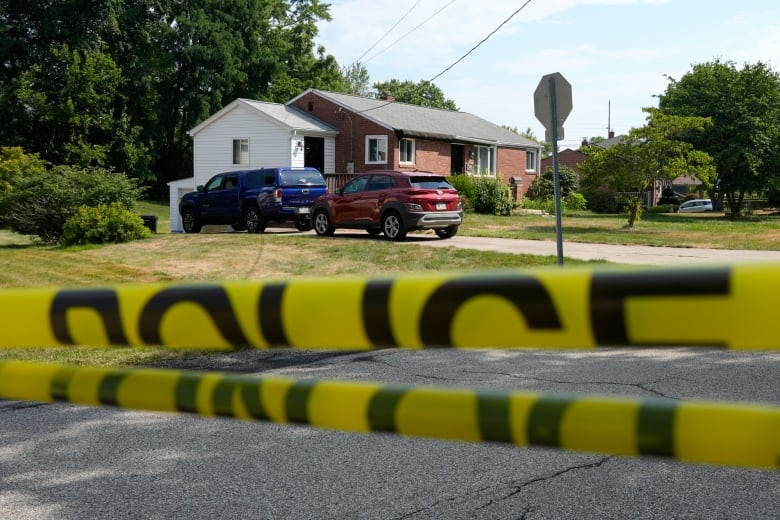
424, 93
15, 165
529, 134
654, 152
154, 68
355, 80
744, 107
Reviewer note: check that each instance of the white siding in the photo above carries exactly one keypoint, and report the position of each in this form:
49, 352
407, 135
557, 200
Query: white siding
269, 144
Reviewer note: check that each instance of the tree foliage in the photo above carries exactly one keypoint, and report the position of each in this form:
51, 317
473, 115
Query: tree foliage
118, 83
423, 93
356, 80
744, 137
654, 152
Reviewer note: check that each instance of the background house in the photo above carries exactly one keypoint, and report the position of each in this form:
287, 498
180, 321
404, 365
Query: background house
342, 135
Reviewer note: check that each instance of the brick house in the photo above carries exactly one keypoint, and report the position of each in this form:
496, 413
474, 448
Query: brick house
379, 134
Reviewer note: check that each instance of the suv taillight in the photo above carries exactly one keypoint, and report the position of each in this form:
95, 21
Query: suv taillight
278, 195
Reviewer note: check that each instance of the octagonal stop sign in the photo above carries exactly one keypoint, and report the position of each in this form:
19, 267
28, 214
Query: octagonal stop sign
553, 90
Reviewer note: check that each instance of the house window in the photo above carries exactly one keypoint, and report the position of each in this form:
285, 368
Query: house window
376, 149
240, 151
530, 160
407, 150
485, 160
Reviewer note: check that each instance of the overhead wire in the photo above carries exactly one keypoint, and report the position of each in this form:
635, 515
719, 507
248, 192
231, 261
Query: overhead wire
482, 41
389, 30
411, 31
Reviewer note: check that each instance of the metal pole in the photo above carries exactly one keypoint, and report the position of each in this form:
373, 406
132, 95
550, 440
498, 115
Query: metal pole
556, 179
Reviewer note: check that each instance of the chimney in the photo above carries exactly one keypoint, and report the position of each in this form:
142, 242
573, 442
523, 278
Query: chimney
387, 97
610, 134
584, 142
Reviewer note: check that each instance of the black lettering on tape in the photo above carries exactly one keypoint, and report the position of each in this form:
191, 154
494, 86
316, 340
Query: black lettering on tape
212, 298
376, 313
270, 310
104, 301
527, 294
609, 291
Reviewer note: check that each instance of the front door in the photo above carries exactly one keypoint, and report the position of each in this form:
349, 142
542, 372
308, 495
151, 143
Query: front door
457, 160
314, 153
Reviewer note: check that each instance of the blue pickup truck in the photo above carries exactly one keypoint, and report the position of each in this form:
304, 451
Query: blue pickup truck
249, 199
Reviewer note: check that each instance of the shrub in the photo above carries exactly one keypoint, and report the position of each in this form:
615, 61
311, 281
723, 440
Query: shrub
490, 197
465, 187
601, 201
102, 224
40, 204
544, 185
576, 201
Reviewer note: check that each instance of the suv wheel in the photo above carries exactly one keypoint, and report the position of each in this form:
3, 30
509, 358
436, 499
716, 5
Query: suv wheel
189, 221
253, 220
447, 232
302, 224
322, 225
393, 226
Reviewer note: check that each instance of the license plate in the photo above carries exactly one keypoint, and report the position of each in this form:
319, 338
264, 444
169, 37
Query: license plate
440, 206
303, 210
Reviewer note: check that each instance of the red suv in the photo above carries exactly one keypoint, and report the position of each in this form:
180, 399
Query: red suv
391, 202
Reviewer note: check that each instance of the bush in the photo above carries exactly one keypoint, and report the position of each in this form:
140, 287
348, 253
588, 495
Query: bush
490, 197
601, 201
544, 185
40, 204
576, 201
103, 224
465, 187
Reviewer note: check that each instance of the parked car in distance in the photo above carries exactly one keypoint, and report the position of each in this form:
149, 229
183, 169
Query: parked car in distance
392, 203
249, 199
695, 206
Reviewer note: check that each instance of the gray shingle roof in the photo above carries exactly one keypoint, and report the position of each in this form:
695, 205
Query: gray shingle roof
422, 122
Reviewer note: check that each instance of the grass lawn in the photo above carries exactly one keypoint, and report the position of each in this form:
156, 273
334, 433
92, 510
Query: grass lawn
284, 253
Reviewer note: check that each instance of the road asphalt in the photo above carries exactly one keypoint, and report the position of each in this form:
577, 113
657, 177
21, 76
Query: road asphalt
640, 255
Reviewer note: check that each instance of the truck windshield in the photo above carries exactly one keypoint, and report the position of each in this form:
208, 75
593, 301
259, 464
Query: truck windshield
302, 178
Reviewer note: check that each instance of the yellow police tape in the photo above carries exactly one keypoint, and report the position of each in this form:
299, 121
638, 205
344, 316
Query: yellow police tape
575, 308
705, 432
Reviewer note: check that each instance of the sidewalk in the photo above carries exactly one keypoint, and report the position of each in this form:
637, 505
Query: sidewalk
641, 255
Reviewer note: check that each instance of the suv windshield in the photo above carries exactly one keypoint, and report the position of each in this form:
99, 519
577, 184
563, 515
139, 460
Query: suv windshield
431, 183
302, 178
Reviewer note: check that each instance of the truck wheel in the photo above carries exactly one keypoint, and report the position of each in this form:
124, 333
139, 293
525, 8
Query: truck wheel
238, 226
302, 224
189, 221
447, 232
322, 225
393, 226
253, 220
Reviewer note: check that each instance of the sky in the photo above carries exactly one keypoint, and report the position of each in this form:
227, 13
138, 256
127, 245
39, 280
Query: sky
618, 55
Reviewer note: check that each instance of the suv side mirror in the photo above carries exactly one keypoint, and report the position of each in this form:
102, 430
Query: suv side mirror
201, 188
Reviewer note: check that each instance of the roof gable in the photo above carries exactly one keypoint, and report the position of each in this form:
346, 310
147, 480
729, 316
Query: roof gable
416, 121
281, 115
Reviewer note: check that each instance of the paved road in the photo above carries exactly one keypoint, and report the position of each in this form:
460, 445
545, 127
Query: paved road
64, 462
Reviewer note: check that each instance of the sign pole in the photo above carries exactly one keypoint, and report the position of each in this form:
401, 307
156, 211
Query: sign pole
556, 177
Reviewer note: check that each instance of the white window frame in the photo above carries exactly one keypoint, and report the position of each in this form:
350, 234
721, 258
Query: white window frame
240, 151
411, 148
530, 160
381, 147
485, 154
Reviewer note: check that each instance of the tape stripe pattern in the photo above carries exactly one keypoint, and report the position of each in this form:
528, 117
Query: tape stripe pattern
653, 431
581, 308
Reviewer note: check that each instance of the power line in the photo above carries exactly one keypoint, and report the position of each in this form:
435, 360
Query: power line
481, 42
388, 31
410, 32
